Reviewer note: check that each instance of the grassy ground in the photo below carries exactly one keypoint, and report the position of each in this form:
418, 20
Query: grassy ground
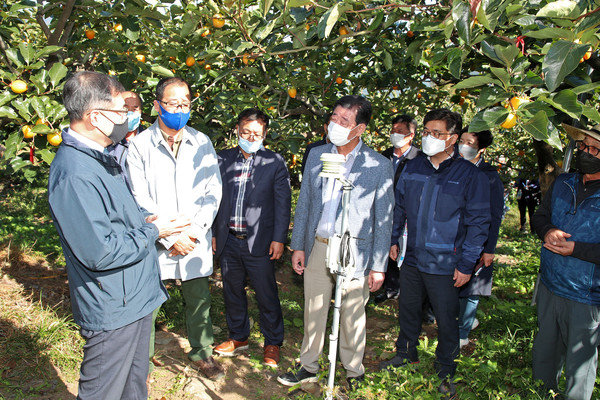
40, 348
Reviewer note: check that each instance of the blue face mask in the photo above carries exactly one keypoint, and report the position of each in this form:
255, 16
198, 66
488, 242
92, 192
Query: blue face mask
174, 121
248, 146
133, 120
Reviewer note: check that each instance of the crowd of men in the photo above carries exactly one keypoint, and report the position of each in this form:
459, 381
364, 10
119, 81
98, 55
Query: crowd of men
134, 209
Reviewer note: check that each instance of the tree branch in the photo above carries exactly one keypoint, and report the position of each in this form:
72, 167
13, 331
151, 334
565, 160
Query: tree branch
62, 22
4, 48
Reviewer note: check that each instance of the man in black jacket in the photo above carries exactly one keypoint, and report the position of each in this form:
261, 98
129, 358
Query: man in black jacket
402, 134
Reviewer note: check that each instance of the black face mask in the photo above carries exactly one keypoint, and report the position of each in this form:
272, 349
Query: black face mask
587, 163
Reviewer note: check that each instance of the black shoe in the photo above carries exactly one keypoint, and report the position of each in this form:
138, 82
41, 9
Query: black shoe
395, 362
300, 375
447, 389
386, 295
355, 381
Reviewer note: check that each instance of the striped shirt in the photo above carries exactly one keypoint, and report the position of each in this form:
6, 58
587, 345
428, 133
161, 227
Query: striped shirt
242, 174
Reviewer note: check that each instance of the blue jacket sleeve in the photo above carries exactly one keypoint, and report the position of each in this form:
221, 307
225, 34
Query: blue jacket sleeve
95, 240
476, 221
496, 209
399, 211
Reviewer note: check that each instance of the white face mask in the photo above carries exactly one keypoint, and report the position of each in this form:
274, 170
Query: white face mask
432, 146
337, 134
467, 152
399, 140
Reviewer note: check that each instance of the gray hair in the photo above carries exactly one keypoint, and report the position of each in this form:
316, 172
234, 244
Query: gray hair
87, 90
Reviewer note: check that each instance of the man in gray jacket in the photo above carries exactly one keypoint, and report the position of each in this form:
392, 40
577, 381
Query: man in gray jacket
318, 218
108, 242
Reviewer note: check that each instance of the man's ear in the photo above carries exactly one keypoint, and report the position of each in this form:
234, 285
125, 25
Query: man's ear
157, 107
360, 129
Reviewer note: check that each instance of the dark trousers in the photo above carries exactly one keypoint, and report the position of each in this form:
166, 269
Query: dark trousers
392, 277
526, 206
414, 287
115, 363
237, 264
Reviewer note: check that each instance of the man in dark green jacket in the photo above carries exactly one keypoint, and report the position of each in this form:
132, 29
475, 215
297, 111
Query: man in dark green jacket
108, 242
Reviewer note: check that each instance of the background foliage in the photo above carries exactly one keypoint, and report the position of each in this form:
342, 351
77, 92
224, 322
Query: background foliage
471, 56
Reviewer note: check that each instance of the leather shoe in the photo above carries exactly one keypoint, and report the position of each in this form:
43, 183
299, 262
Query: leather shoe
231, 347
447, 389
386, 295
395, 362
355, 381
210, 368
271, 355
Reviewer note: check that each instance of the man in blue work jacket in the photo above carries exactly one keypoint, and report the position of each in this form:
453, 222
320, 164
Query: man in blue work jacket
108, 242
441, 199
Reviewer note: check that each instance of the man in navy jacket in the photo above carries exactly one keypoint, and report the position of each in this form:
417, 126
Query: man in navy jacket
447, 213
568, 300
249, 234
108, 242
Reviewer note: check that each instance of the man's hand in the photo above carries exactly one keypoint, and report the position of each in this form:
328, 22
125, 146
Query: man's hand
487, 258
183, 246
556, 241
168, 226
276, 250
298, 261
214, 245
394, 250
376, 280
460, 278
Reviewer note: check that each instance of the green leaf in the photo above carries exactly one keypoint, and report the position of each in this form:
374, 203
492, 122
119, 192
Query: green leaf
455, 62
565, 101
476, 81
537, 126
6, 111
489, 51
14, 56
461, 13
560, 9
488, 119
589, 22
47, 50
27, 52
298, 3
17, 163
23, 107
239, 47
562, 58
5, 97
591, 113
387, 61
46, 155
265, 6
489, 96
162, 71
298, 322
507, 54
376, 21
132, 34
553, 137
57, 73
577, 90
483, 19
266, 30
41, 129
503, 75
551, 33
13, 145
328, 20
39, 106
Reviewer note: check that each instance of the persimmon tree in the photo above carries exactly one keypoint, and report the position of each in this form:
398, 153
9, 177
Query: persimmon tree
472, 56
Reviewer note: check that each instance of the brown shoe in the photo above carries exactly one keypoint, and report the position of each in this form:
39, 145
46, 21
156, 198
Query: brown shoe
271, 355
210, 368
231, 347
157, 362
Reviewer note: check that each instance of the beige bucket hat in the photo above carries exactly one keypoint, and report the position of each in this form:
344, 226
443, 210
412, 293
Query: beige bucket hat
579, 134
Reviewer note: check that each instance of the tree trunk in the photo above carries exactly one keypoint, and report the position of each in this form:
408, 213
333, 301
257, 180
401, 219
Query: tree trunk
548, 170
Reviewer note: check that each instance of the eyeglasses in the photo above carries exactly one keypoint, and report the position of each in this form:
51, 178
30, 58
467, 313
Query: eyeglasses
173, 106
249, 136
435, 134
122, 113
581, 146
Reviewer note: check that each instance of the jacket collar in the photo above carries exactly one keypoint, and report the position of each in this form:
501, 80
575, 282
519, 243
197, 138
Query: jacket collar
69, 140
